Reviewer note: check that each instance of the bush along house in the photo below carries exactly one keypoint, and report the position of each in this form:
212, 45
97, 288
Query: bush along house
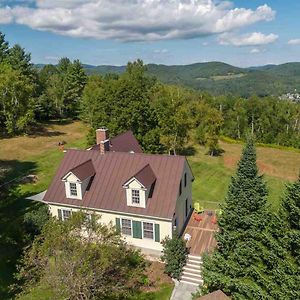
146, 196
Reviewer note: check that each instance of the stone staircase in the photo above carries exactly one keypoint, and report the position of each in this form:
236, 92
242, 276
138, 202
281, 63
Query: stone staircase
192, 271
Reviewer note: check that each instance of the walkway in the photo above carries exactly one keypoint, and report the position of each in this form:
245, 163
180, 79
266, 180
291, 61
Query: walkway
183, 291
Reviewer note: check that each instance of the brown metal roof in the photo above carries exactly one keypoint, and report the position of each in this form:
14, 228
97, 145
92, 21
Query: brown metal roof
124, 142
112, 170
83, 170
216, 295
145, 176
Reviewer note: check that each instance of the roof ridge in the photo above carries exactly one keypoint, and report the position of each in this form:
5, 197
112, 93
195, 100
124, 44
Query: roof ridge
81, 164
120, 134
144, 167
135, 153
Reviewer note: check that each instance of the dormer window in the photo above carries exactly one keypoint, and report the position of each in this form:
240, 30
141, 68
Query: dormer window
139, 187
73, 189
135, 196
78, 180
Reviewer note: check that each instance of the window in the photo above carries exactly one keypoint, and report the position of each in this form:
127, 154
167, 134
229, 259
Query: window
126, 226
66, 214
185, 180
148, 230
73, 189
186, 207
180, 188
135, 196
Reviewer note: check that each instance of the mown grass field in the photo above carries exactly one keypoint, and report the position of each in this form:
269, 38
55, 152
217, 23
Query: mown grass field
39, 154
212, 174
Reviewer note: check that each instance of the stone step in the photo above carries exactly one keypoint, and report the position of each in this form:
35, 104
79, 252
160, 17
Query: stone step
194, 262
187, 282
191, 269
193, 257
191, 279
191, 273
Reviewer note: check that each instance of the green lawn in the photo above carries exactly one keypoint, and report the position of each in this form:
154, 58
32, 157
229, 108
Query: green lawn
213, 174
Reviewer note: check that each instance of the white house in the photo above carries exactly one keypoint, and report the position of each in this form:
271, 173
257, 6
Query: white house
145, 196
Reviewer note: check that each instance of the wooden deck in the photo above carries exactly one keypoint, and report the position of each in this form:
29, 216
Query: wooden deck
202, 232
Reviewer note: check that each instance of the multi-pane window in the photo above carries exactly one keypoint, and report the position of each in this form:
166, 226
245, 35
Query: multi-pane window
185, 179
135, 196
148, 230
66, 214
73, 189
180, 188
126, 226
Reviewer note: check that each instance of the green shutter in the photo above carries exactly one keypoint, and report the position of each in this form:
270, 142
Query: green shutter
137, 229
157, 233
93, 221
118, 224
59, 213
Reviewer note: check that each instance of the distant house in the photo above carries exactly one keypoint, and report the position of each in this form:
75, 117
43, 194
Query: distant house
145, 196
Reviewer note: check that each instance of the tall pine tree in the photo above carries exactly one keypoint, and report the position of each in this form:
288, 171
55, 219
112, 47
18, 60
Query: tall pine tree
250, 261
291, 212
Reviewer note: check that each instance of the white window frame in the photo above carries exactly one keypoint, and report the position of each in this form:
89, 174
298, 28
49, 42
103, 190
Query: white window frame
131, 231
134, 196
72, 189
63, 216
153, 230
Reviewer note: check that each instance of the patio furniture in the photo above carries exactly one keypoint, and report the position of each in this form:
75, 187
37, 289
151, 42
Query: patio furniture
187, 237
198, 208
198, 217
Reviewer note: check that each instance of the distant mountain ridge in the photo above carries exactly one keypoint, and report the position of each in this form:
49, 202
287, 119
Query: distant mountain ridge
219, 78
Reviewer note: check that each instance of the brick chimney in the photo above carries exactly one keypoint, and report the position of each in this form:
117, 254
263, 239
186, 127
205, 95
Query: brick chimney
104, 146
102, 139
101, 135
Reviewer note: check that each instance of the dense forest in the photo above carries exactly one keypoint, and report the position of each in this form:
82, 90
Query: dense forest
163, 117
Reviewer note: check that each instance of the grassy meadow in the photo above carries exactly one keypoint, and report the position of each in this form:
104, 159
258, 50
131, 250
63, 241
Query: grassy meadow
212, 174
39, 154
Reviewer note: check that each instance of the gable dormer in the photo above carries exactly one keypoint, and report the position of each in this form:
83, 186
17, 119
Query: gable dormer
139, 187
78, 179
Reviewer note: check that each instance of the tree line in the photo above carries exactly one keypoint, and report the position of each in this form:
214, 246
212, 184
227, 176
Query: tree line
28, 95
163, 117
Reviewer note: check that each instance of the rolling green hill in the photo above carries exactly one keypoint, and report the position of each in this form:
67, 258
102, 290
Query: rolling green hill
219, 78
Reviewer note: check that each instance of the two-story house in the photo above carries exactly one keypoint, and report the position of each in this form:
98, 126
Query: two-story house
146, 196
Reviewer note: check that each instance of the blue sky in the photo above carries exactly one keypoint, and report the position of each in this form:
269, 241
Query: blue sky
242, 33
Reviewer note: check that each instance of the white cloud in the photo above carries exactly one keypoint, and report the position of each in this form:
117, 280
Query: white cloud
294, 42
136, 20
250, 39
254, 51
52, 58
6, 15
161, 51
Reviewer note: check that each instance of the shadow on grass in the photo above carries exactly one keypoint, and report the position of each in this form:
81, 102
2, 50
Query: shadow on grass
188, 151
13, 206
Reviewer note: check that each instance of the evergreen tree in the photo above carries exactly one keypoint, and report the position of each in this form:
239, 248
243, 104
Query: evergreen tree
20, 60
250, 261
291, 210
3, 47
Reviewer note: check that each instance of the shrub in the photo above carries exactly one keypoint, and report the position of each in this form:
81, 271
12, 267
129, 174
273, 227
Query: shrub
174, 255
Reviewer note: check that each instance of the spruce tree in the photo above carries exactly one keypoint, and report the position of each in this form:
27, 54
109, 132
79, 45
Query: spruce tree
291, 213
249, 261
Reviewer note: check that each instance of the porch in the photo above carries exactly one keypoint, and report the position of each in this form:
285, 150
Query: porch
201, 228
